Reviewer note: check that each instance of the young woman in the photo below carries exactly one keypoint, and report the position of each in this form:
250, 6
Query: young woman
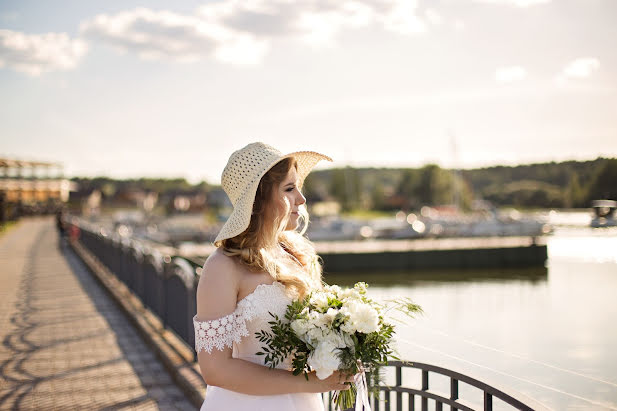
260, 265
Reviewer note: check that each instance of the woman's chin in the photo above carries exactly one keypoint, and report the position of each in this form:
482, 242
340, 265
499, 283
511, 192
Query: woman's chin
293, 222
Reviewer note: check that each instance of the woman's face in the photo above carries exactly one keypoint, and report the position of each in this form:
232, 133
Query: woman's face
288, 192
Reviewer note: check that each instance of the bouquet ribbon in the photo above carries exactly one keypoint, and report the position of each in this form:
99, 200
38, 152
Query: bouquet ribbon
362, 402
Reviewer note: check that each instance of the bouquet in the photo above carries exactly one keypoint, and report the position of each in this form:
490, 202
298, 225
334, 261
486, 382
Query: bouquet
335, 329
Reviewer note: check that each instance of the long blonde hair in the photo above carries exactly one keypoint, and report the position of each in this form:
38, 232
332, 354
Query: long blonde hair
287, 255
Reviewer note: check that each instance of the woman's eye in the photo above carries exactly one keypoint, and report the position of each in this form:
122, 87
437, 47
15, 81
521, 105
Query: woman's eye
290, 189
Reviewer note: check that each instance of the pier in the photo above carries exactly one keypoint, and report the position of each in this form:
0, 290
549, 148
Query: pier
66, 344
459, 253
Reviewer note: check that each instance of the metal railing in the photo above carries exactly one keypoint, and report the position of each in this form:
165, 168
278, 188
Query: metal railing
394, 395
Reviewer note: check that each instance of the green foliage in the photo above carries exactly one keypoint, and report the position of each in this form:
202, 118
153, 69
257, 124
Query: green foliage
604, 182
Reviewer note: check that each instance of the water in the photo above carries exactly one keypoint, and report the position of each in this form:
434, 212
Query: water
547, 333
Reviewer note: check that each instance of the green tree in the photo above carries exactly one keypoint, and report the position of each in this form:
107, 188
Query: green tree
575, 194
604, 182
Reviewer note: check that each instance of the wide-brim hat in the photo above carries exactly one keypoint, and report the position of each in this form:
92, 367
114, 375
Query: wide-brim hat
242, 174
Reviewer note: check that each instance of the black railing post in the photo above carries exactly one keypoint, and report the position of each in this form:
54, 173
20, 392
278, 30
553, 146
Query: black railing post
399, 382
424, 388
453, 391
488, 401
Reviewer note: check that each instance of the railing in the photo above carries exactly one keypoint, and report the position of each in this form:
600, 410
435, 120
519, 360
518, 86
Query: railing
167, 286
396, 396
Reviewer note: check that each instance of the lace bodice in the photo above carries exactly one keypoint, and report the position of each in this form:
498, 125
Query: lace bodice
237, 330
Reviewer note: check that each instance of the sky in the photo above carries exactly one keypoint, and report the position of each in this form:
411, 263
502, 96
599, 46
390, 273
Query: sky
171, 89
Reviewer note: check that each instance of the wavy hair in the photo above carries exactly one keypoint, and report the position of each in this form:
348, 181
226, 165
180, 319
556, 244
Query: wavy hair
287, 255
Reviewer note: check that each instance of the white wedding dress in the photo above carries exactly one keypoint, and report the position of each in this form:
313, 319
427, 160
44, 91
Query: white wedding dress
237, 330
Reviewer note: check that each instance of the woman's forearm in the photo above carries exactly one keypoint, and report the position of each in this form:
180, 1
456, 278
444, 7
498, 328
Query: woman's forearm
243, 376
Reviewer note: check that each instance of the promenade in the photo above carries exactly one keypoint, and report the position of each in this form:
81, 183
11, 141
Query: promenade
65, 344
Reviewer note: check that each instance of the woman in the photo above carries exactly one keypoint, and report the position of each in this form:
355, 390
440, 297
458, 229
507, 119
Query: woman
260, 265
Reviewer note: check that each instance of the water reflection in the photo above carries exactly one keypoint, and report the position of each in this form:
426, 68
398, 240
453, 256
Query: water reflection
547, 333
533, 275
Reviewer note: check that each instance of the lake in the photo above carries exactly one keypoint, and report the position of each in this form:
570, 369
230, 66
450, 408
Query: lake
548, 333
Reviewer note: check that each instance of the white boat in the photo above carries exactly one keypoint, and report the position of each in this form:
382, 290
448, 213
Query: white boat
604, 213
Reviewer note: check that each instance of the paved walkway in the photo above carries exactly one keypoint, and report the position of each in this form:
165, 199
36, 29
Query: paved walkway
65, 344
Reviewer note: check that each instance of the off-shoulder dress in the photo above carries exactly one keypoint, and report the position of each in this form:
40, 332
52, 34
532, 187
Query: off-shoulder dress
237, 330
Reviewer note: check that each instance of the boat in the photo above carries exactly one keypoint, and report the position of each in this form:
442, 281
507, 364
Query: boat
604, 213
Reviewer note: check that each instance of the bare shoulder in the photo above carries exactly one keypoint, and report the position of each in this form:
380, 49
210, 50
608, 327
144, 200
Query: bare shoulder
218, 286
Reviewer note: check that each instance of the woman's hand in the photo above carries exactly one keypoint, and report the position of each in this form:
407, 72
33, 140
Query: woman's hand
335, 382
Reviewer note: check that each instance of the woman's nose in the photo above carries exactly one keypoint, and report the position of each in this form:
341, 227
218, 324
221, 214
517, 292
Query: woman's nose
300, 199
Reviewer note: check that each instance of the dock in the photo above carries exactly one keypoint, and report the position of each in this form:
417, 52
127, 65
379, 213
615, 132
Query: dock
65, 343
427, 253
454, 253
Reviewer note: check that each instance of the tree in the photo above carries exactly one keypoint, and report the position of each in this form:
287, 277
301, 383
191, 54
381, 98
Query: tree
604, 182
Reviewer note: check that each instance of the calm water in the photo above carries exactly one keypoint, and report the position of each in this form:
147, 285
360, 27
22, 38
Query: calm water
548, 333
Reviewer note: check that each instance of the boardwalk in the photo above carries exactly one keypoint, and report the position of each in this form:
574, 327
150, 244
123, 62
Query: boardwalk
65, 344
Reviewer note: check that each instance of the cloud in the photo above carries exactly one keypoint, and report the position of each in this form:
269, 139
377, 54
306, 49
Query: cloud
312, 18
515, 3
582, 67
578, 69
241, 31
37, 53
166, 35
510, 74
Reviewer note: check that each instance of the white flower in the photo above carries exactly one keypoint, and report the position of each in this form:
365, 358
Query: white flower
362, 317
300, 327
324, 360
361, 287
317, 319
350, 294
314, 334
338, 339
319, 300
335, 289
331, 314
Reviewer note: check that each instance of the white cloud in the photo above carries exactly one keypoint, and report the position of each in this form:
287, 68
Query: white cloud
241, 31
510, 74
516, 3
163, 34
578, 69
37, 53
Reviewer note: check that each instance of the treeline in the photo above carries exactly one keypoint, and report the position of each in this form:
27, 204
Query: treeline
110, 187
569, 184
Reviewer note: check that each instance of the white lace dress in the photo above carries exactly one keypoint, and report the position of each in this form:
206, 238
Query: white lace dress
237, 330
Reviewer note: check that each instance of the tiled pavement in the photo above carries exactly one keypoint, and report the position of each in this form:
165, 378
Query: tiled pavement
65, 344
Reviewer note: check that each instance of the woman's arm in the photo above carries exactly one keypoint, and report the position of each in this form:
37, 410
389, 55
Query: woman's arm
216, 297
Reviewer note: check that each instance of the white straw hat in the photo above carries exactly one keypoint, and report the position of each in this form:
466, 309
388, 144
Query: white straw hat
242, 174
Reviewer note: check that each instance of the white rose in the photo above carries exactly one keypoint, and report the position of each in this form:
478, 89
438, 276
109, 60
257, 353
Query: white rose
324, 360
